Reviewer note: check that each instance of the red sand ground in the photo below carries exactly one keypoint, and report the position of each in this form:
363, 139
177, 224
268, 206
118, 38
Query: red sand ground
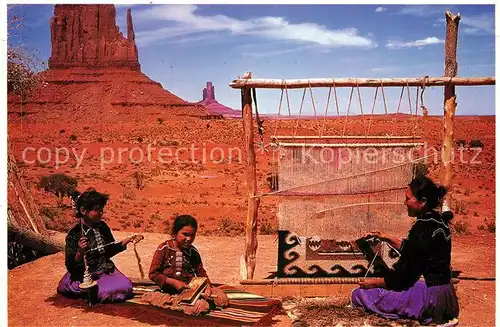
212, 192
33, 284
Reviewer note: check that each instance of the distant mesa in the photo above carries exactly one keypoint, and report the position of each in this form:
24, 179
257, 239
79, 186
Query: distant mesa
213, 107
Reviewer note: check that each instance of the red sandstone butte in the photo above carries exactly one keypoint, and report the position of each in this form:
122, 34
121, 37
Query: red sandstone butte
94, 71
214, 107
87, 36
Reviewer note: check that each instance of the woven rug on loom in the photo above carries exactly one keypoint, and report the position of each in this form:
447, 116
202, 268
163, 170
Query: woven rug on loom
244, 309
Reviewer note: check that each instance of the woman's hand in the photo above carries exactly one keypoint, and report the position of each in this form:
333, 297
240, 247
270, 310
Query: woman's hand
376, 234
392, 240
208, 290
83, 244
136, 238
368, 283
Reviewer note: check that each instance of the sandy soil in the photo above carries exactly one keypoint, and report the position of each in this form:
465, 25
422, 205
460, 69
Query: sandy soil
34, 284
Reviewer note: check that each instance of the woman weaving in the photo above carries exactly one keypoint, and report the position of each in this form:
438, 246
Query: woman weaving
426, 251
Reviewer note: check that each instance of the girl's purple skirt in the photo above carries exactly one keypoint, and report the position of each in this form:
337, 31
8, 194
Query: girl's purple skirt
114, 287
433, 304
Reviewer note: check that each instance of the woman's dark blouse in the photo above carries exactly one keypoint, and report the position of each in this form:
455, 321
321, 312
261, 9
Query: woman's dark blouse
98, 260
426, 251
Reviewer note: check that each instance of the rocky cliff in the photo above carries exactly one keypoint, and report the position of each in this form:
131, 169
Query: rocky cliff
87, 36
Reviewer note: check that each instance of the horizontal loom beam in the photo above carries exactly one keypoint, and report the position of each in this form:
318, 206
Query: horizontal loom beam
361, 82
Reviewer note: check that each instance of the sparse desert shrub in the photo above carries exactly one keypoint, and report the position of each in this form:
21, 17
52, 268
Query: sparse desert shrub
138, 223
72, 137
58, 184
56, 219
140, 139
99, 139
461, 143
21, 77
461, 207
124, 224
169, 143
160, 120
129, 194
138, 179
267, 229
225, 225
154, 217
460, 227
238, 228
476, 144
489, 225
62, 131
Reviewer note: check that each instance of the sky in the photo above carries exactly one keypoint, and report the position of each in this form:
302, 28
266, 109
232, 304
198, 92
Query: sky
184, 46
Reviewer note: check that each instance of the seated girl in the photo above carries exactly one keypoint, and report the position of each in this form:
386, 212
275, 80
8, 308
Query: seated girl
177, 261
427, 252
112, 285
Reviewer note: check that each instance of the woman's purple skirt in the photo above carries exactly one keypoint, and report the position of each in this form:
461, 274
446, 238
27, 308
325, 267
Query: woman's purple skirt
436, 304
114, 287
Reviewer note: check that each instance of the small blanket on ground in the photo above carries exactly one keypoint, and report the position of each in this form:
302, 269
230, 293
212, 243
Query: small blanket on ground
244, 308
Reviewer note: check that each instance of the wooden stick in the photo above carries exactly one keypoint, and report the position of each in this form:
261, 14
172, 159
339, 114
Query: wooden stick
316, 280
362, 82
302, 280
450, 70
286, 193
351, 145
349, 137
29, 206
449, 114
358, 204
253, 202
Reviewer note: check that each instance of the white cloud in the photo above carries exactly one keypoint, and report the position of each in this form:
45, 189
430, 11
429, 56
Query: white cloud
422, 11
184, 20
380, 9
478, 24
474, 24
417, 43
275, 52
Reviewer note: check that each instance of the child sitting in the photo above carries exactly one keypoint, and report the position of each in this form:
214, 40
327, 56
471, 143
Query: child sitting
98, 244
176, 262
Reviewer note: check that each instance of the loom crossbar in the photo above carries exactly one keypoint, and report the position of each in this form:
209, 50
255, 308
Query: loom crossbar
351, 145
359, 82
348, 137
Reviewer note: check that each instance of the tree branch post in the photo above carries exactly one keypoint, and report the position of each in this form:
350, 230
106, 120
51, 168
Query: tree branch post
247, 264
450, 70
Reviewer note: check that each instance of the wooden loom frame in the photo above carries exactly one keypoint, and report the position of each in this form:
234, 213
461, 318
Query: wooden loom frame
449, 81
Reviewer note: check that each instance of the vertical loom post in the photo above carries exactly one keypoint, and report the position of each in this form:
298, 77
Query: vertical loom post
450, 70
247, 264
